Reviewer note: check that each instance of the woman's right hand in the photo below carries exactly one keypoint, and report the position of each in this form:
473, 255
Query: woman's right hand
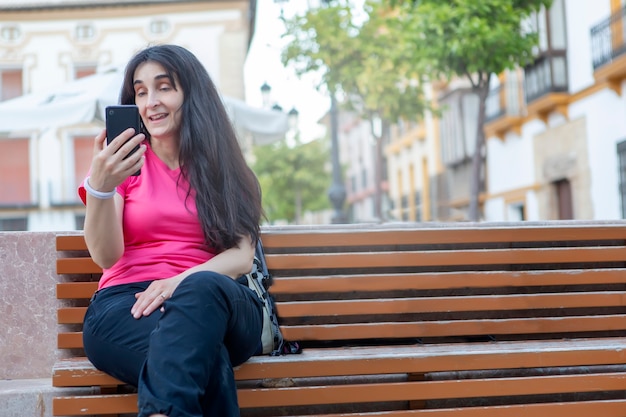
109, 168
103, 217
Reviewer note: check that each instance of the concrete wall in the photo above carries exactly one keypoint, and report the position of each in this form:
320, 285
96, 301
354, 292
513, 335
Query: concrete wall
28, 325
27, 305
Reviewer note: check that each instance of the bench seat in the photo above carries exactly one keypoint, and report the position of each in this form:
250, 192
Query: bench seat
410, 319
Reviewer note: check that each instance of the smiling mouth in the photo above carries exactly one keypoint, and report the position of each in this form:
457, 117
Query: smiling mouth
157, 117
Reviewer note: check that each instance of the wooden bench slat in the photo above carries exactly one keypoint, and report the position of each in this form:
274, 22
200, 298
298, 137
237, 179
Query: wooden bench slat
444, 328
407, 259
424, 390
79, 371
75, 315
95, 404
423, 281
70, 340
437, 358
445, 280
324, 237
321, 236
362, 393
71, 290
606, 408
450, 304
77, 266
71, 243
443, 258
399, 360
424, 329
71, 315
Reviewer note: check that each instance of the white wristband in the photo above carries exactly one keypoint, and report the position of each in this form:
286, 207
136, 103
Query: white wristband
98, 194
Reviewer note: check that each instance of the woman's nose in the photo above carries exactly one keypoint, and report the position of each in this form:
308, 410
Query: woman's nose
153, 100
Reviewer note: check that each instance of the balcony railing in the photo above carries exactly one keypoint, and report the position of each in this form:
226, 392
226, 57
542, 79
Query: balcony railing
607, 39
548, 74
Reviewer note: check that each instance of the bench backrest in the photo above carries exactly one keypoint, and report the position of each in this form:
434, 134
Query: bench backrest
383, 284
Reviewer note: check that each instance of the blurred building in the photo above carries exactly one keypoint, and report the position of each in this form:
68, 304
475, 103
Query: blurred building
555, 131
556, 144
48, 43
358, 153
415, 169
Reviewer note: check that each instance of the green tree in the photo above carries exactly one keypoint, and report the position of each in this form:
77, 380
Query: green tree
360, 59
472, 39
293, 179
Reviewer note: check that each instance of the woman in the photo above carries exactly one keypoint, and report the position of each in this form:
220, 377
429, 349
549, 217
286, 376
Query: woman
168, 316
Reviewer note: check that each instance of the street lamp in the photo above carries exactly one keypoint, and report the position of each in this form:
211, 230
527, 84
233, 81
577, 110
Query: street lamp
337, 190
292, 115
265, 94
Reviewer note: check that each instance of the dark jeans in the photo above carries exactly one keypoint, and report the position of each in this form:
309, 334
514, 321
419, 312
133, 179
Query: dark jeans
180, 360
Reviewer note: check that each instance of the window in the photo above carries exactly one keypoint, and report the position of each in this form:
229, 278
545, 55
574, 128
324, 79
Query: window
10, 83
556, 21
404, 208
458, 126
159, 27
550, 27
14, 172
549, 71
79, 221
621, 155
10, 33
14, 224
417, 203
81, 71
516, 212
363, 178
607, 36
85, 32
83, 153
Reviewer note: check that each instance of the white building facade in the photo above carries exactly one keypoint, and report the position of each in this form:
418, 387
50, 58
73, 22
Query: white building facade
560, 151
555, 131
46, 44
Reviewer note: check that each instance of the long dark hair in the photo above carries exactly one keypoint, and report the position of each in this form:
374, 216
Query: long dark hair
228, 195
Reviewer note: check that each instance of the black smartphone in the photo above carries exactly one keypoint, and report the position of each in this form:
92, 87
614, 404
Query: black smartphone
121, 117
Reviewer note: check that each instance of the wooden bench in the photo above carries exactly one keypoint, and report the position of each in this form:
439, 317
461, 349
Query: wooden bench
524, 319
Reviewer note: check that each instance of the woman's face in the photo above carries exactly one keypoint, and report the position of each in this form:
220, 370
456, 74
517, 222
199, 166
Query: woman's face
159, 103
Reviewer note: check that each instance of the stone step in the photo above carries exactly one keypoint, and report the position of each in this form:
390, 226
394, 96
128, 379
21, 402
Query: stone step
31, 397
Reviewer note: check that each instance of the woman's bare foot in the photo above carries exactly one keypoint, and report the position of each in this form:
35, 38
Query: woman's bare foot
158, 415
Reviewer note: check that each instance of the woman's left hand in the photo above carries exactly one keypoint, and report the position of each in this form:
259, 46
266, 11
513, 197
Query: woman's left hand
232, 262
154, 296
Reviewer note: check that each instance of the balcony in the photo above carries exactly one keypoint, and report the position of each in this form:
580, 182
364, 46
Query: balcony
546, 85
503, 112
608, 51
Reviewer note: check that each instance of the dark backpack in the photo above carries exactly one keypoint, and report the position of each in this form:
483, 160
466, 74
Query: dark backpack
259, 280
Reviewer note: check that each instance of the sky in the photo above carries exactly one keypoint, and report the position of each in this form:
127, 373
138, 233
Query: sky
263, 65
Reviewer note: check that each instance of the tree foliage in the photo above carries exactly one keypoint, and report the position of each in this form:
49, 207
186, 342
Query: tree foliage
293, 179
468, 38
379, 63
362, 59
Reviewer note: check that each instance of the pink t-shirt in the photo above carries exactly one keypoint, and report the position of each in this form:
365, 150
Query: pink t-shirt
162, 233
